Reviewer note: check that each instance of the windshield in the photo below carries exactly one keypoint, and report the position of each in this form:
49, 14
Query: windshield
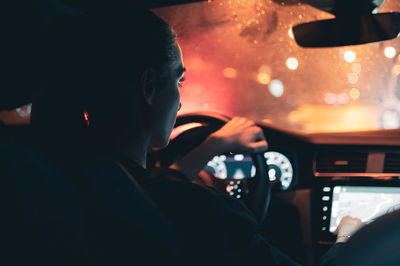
242, 60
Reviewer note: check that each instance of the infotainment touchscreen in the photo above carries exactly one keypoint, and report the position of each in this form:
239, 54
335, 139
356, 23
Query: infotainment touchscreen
364, 202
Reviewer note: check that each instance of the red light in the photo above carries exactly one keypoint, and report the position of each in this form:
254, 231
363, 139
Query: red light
86, 116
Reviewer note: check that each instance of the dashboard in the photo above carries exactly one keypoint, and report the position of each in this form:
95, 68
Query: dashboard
240, 166
322, 178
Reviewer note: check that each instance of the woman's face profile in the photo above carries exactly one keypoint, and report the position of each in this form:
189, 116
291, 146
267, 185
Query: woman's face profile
167, 101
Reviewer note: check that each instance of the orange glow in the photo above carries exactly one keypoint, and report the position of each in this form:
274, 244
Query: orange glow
337, 118
354, 93
264, 69
294, 116
292, 63
349, 56
390, 52
343, 98
225, 38
230, 73
264, 78
356, 68
396, 70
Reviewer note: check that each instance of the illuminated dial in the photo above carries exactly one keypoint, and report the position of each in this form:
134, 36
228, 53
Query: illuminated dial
217, 167
280, 168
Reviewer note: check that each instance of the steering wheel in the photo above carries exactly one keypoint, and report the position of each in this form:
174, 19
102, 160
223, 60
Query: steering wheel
197, 127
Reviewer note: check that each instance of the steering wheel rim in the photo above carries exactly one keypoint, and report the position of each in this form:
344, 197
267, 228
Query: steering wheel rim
260, 188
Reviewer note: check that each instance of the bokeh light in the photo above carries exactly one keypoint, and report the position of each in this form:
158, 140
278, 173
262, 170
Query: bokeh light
330, 98
276, 88
349, 56
390, 52
263, 78
356, 68
292, 63
230, 72
354, 93
343, 98
353, 78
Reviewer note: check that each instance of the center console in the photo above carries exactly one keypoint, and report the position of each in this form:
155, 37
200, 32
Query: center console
364, 198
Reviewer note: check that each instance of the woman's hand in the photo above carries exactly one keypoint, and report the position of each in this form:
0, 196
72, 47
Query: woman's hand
347, 227
239, 135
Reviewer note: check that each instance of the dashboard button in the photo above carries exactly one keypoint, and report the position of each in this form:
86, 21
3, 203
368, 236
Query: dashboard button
326, 189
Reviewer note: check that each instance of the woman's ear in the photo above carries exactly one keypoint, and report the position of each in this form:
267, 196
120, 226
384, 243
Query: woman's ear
147, 86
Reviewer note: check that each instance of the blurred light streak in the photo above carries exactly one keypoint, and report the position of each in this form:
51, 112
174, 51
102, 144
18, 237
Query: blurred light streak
290, 33
178, 130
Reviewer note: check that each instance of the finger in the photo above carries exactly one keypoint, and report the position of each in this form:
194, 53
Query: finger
243, 121
259, 146
336, 231
258, 133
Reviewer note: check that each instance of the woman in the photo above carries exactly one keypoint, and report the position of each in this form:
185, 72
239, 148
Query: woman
117, 75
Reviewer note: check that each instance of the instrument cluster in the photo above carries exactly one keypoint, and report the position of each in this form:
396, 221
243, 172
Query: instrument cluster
240, 166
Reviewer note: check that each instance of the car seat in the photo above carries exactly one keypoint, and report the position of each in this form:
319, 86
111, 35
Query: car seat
44, 223
76, 215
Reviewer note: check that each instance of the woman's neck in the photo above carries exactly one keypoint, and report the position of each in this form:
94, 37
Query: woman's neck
136, 150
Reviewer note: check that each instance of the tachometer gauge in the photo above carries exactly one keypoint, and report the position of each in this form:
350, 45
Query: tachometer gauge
280, 168
217, 167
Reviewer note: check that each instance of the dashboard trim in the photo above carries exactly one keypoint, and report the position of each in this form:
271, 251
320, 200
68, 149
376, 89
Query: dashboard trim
357, 174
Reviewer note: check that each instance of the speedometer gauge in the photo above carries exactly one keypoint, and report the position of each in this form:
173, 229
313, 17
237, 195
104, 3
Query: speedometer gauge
217, 167
280, 168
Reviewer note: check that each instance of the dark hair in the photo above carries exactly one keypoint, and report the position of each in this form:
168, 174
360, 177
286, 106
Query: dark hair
95, 60
94, 64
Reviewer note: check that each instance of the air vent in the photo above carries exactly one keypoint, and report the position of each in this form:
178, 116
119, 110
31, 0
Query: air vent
392, 163
349, 162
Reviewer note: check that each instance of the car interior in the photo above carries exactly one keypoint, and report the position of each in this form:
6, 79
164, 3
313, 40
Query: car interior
321, 79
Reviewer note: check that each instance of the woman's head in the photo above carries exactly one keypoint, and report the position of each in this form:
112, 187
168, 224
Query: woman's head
121, 67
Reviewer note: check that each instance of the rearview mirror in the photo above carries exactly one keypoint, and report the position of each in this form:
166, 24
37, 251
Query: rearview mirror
352, 30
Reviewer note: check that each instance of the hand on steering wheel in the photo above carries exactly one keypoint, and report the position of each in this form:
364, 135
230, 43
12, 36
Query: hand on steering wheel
239, 135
